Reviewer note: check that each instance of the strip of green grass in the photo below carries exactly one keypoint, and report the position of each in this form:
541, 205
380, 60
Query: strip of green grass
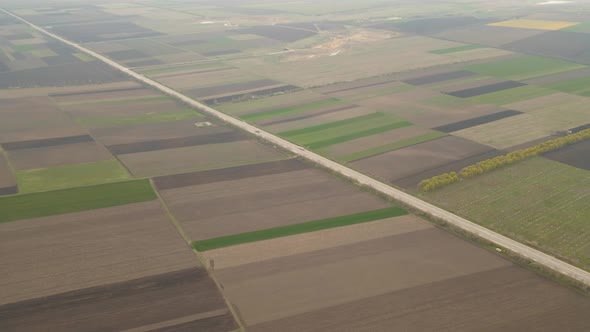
291, 110
152, 117
578, 86
351, 136
312, 226
71, 176
509, 96
391, 146
582, 27
524, 67
73, 200
456, 49
23, 48
325, 126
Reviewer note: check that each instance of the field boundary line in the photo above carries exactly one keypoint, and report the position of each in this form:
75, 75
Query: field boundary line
431, 210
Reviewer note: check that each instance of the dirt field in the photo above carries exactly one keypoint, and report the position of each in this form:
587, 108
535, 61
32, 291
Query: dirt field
34, 118
451, 127
154, 131
173, 143
320, 268
201, 157
183, 299
58, 155
562, 44
405, 162
253, 203
62, 75
228, 174
529, 126
203, 79
577, 155
79, 255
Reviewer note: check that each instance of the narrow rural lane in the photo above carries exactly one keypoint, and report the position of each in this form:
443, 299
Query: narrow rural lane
470, 227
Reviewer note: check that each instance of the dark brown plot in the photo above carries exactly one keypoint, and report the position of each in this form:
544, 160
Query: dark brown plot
503, 299
305, 116
398, 164
577, 155
220, 52
79, 73
436, 78
451, 127
580, 128
7, 180
482, 90
573, 46
228, 174
184, 297
229, 88
252, 94
179, 142
40, 143
277, 32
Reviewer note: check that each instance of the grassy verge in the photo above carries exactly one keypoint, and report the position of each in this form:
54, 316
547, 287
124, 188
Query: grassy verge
391, 146
73, 200
312, 226
456, 49
291, 110
68, 176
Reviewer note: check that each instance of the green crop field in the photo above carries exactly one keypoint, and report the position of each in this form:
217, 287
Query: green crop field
540, 202
291, 110
71, 176
341, 131
391, 146
152, 117
73, 200
524, 67
311, 226
456, 49
513, 95
578, 86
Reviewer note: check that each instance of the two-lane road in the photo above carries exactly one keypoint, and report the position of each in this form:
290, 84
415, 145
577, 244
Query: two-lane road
464, 224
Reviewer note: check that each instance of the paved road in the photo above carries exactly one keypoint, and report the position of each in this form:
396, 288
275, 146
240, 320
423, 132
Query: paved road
500, 240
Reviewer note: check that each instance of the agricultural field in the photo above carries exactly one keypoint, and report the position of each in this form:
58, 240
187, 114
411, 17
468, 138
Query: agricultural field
178, 221
551, 214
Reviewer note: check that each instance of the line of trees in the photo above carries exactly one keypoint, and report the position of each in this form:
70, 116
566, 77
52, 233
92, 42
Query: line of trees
500, 161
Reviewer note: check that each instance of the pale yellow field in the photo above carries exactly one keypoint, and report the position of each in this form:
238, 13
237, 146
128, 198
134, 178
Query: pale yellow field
534, 24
